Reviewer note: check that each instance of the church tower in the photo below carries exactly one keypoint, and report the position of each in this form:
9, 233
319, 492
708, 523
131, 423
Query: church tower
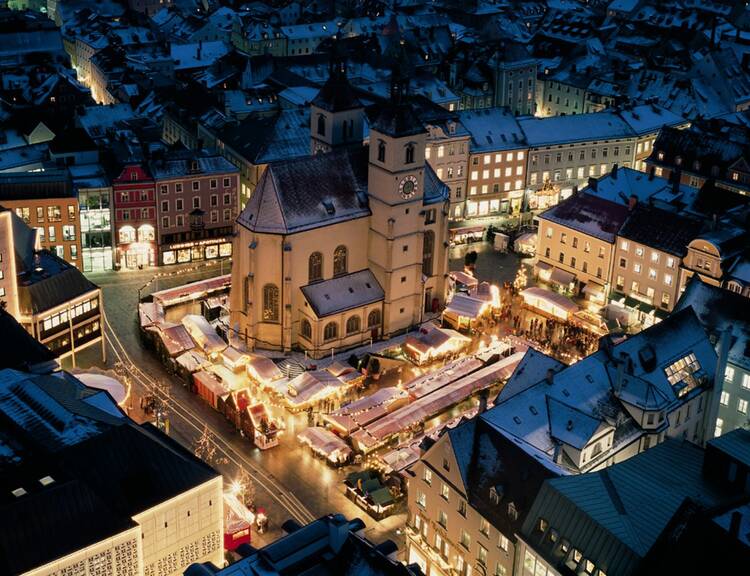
396, 177
336, 114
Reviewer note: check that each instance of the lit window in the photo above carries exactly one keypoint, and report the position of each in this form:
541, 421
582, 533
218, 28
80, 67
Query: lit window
742, 406
724, 398
729, 374
445, 491
427, 476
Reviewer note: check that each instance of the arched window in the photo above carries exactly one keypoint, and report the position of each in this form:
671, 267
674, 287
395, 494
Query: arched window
331, 331
353, 325
340, 261
306, 329
381, 151
409, 154
321, 125
596, 450
428, 248
270, 303
373, 319
315, 267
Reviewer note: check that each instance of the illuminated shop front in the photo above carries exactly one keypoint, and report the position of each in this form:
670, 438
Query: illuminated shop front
136, 247
197, 250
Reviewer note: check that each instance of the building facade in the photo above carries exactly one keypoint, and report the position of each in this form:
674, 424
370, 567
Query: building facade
47, 202
96, 216
197, 205
447, 151
134, 195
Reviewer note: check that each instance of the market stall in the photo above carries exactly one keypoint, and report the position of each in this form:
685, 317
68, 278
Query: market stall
462, 282
234, 360
549, 303
361, 412
466, 234
204, 334
262, 370
433, 343
193, 361
210, 388
463, 311
326, 444
237, 522
526, 244
173, 338
260, 427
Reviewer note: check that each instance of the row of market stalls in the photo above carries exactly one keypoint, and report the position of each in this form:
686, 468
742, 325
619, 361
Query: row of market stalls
560, 307
219, 373
471, 302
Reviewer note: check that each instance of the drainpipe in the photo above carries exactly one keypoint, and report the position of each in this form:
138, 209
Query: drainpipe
714, 396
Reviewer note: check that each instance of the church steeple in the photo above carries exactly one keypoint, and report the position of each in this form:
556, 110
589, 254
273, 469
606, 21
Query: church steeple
336, 114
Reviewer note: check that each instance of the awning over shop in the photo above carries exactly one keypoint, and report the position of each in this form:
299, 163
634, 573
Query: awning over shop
561, 277
595, 290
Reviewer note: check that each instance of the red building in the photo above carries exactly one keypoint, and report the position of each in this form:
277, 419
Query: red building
134, 195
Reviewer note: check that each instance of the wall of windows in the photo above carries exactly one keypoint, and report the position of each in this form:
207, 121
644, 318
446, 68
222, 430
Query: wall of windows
96, 230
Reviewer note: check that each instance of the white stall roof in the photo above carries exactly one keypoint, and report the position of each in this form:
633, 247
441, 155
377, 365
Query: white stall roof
465, 306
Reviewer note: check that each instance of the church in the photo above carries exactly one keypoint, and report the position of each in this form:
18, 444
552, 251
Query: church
350, 243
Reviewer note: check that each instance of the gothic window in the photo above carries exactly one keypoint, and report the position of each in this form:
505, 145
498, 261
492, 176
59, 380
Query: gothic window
409, 154
331, 331
353, 325
373, 319
315, 267
321, 125
340, 261
428, 248
306, 329
270, 303
381, 151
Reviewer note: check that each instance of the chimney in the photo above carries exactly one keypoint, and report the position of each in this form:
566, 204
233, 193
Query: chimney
651, 173
199, 50
550, 376
722, 352
613, 173
592, 183
620, 371
734, 524
676, 183
338, 531
632, 202
569, 426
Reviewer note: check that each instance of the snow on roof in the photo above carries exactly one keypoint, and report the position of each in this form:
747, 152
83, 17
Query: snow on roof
203, 333
533, 368
492, 129
197, 54
263, 369
619, 186
606, 125
589, 214
465, 306
343, 293
647, 118
587, 388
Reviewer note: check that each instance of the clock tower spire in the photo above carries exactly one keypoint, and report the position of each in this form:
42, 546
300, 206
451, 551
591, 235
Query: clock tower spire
396, 177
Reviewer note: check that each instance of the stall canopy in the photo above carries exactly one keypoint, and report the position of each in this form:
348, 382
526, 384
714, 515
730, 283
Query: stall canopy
464, 279
465, 306
203, 334
175, 338
149, 314
437, 342
525, 243
193, 360
263, 369
325, 443
548, 301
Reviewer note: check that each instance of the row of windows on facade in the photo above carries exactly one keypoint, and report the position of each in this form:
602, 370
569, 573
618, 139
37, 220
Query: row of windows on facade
66, 316
53, 213
635, 290
50, 233
497, 173
573, 558
715, 170
580, 174
582, 154
331, 329
213, 202
272, 313
440, 150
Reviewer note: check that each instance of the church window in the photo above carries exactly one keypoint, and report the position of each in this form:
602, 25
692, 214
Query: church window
315, 267
353, 325
306, 329
373, 319
331, 331
381, 151
428, 247
409, 154
340, 265
270, 303
321, 125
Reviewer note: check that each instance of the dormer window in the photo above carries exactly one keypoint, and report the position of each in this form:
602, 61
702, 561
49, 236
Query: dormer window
678, 160
409, 159
660, 155
381, 151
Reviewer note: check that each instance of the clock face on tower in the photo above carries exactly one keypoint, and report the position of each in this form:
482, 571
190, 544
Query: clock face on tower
408, 187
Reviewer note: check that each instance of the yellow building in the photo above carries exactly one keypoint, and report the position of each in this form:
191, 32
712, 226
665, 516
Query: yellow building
343, 246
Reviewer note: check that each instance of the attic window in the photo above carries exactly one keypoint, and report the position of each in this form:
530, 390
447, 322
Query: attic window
46, 481
516, 419
18, 492
533, 410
